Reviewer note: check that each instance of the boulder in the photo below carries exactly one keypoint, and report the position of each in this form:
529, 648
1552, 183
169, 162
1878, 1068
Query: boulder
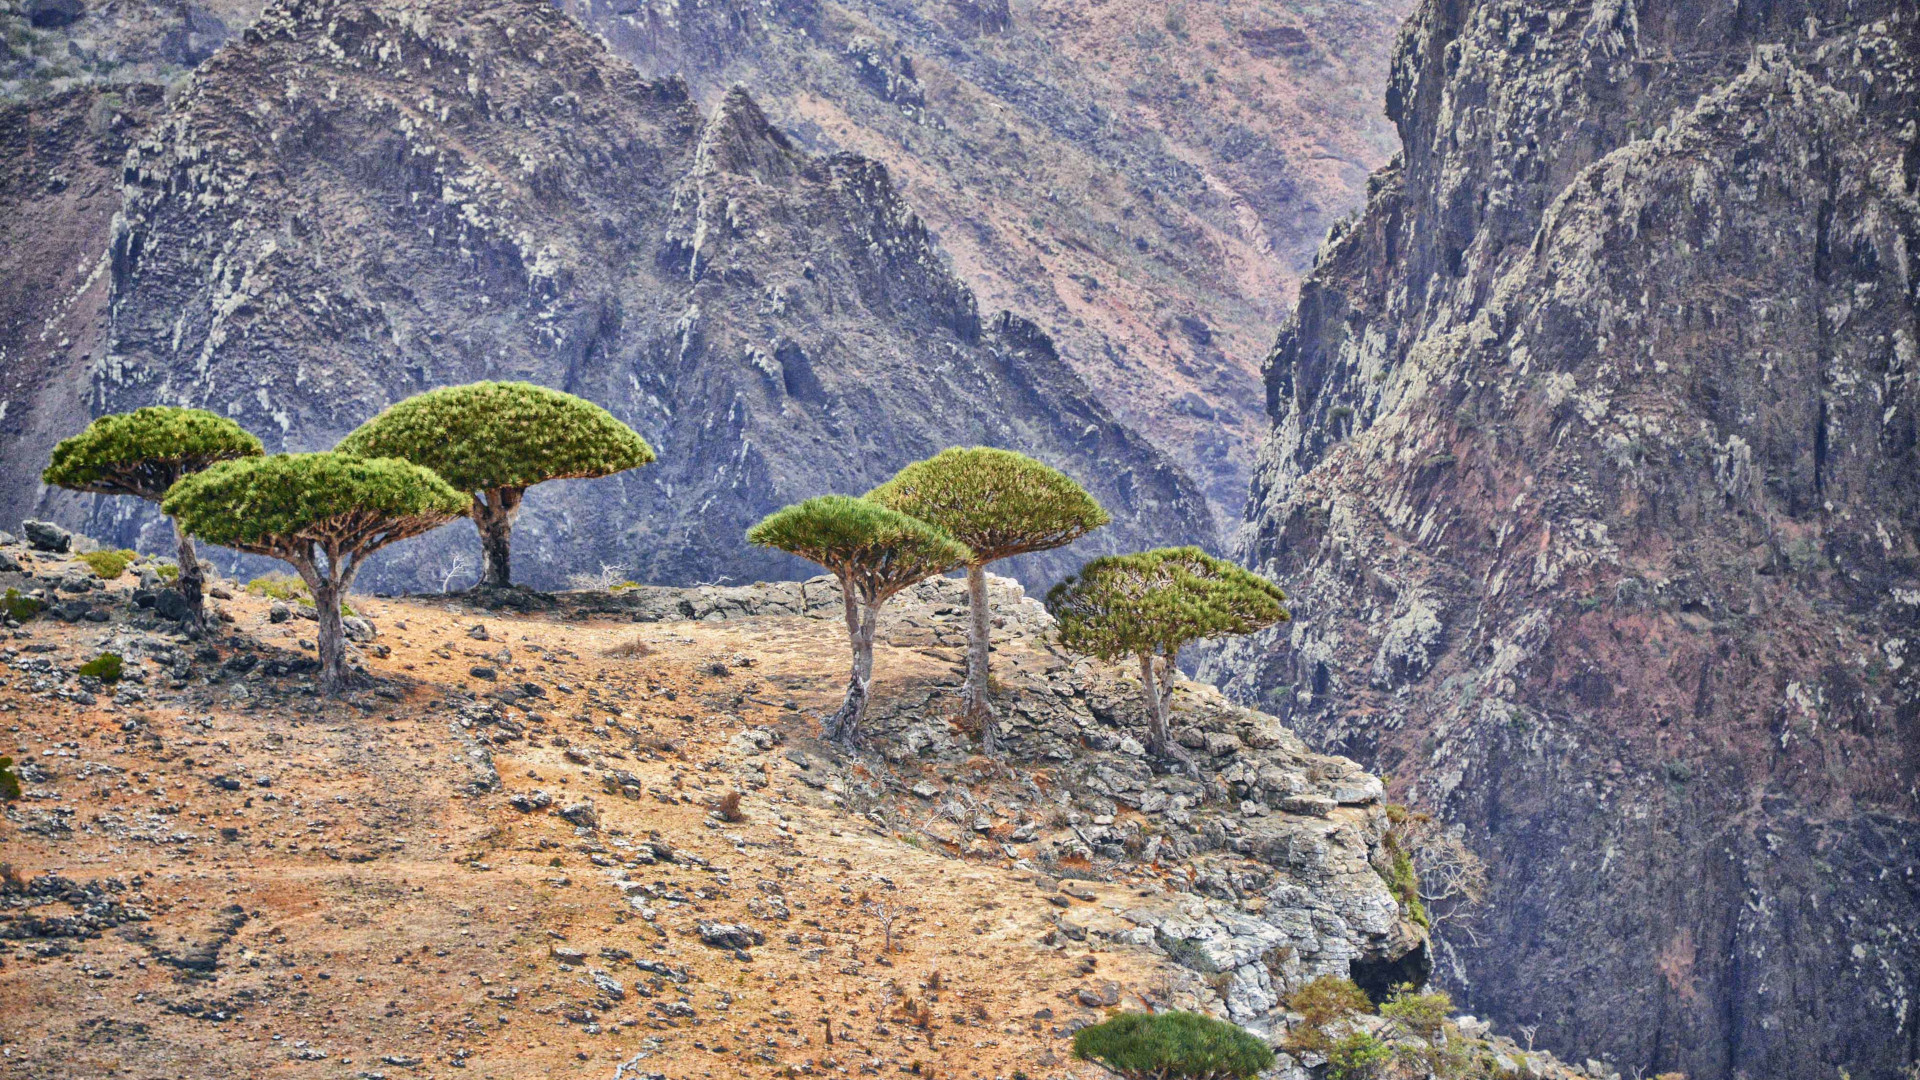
46, 536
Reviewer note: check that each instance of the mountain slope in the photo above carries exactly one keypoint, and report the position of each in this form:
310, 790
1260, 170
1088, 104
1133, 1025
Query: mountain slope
1593, 476
1146, 181
360, 202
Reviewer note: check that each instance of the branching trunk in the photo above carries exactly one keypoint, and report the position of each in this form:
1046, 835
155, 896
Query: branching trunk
978, 710
493, 517
328, 589
192, 581
844, 725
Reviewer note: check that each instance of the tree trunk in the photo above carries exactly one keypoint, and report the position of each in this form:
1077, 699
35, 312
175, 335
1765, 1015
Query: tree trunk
333, 637
978, 710
845, 724
1157, 741
192, 582
493, 517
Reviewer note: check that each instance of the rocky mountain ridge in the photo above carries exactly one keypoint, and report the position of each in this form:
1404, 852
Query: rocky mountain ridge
1591, 475
432, 193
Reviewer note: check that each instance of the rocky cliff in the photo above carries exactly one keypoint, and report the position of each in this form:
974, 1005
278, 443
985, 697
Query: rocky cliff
1592, 475
358, 202
1146, 181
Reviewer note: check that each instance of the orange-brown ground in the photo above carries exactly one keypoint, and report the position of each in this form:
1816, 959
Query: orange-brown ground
381, 913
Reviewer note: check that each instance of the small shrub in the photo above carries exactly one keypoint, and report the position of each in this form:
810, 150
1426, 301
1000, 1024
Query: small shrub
1326, 1000
107, 667
1166, 1045
19, 608
729, 807
1359, 1056
169, 572
278, 586
108, 564
9, 781
1421, 1014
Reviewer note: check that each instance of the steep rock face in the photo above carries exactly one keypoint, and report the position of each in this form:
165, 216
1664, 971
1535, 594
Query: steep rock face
360, 202
49, 47
1145, 181
59, 190
1593, 478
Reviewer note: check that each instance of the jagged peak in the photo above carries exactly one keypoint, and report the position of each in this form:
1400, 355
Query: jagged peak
739, 139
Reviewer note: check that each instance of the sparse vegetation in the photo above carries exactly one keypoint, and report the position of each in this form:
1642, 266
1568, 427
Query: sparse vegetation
1358, 1056
494, 440
19, 608
875, 552
1151, 605
279, 586
144, 453
999, 504
9, 781
1320, 1003
107, 667
108, 564
324, 513
1163, 1046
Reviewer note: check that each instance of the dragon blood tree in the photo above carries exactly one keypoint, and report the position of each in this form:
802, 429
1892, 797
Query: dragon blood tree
494, 440
1000, 504
145, 452
875, 552
1152, 604
324, 513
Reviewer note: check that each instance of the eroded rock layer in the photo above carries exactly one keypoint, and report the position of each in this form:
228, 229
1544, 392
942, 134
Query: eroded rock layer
359, 202
1593, 478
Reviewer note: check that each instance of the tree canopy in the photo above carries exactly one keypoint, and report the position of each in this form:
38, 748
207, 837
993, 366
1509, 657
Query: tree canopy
144, 452
997, 502
879, 551
1159, 601
489, 435
324, 513
270, 505
1157, 1046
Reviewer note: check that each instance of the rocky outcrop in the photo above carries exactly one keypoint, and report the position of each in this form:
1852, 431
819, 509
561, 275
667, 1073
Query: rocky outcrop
52, 47
1592, 479
358, 202
1146, 182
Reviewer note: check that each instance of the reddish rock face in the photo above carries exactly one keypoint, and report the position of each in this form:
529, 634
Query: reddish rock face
1592, 478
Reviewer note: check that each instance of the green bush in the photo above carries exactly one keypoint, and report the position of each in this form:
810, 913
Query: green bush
1359, 1056
278, 586
168, 571
1161, 1046
1421, 1014
108, 564
19, 608
1326, 1000
107, 667
9, 781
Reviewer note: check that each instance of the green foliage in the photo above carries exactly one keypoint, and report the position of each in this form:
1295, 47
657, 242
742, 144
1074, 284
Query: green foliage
1423, 1015
19, 608
1326, 1000
1358, 1056
144, 452
996, 502
1402, 879
1172, 1044
107, 667
271, 505
278, 586
108, 564
879, 551
489, 435
168, 572
1155, 602
9, 780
